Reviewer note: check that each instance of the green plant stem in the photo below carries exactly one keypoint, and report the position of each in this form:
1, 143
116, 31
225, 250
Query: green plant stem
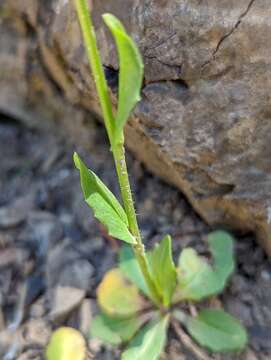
120, 163
118, 150
90, 41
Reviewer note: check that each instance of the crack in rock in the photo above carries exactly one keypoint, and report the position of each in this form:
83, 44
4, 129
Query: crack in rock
228, 34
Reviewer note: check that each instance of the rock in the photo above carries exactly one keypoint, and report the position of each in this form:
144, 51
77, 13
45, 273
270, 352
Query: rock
85, 317
36, 333
35, 354
65, 300
5, 342
260, 337
2, 321
16, 213
240, 310
42, 232
11, 343
12, 256
67, 267
250, 355
204, 119
38, 310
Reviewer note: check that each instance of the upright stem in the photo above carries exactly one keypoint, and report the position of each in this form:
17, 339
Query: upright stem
95, 64
118, 150
120, 163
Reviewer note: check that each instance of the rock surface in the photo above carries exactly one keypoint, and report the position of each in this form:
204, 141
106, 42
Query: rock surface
65, 300
204, 120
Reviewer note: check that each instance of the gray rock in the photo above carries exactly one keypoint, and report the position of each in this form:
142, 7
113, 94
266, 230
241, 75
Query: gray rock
2, 321
240, 310
85, 316
36, 332
65, 266
64, 301
16, 213
204, 120
43, 229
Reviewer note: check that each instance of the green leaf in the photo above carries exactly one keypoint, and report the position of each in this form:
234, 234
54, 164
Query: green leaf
130, 269
221, 247
117, 296
130, 74
107, 216
66, 344
91, 184
196, 278
163, 269
217, 331
149, 342
113, 330
106, 207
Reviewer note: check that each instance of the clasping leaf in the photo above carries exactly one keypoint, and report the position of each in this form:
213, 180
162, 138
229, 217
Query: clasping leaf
106, 207
130, 74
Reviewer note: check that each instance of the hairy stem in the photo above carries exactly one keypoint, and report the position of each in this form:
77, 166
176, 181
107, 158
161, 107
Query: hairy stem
120, 163
118, 150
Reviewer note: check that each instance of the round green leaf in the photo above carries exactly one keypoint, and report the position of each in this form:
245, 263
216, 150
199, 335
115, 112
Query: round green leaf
217, 331
117, 296
196, 278
66, 344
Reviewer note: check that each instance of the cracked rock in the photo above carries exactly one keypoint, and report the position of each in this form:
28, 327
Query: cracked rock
203, 123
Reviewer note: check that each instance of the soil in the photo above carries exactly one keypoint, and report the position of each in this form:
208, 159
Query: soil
50, 245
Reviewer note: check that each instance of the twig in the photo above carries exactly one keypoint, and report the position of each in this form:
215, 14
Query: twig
188, 342
193, 310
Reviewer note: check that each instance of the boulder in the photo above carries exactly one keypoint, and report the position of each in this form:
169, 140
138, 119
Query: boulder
204, 120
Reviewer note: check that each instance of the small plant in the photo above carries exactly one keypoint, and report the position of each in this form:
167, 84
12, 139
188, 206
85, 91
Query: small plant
141, 297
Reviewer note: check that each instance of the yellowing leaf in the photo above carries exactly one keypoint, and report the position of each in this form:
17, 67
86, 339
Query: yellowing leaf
130, 74
66, 344
117, 296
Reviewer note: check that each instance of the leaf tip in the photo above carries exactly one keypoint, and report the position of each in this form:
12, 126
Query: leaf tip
76, 160
112, 22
